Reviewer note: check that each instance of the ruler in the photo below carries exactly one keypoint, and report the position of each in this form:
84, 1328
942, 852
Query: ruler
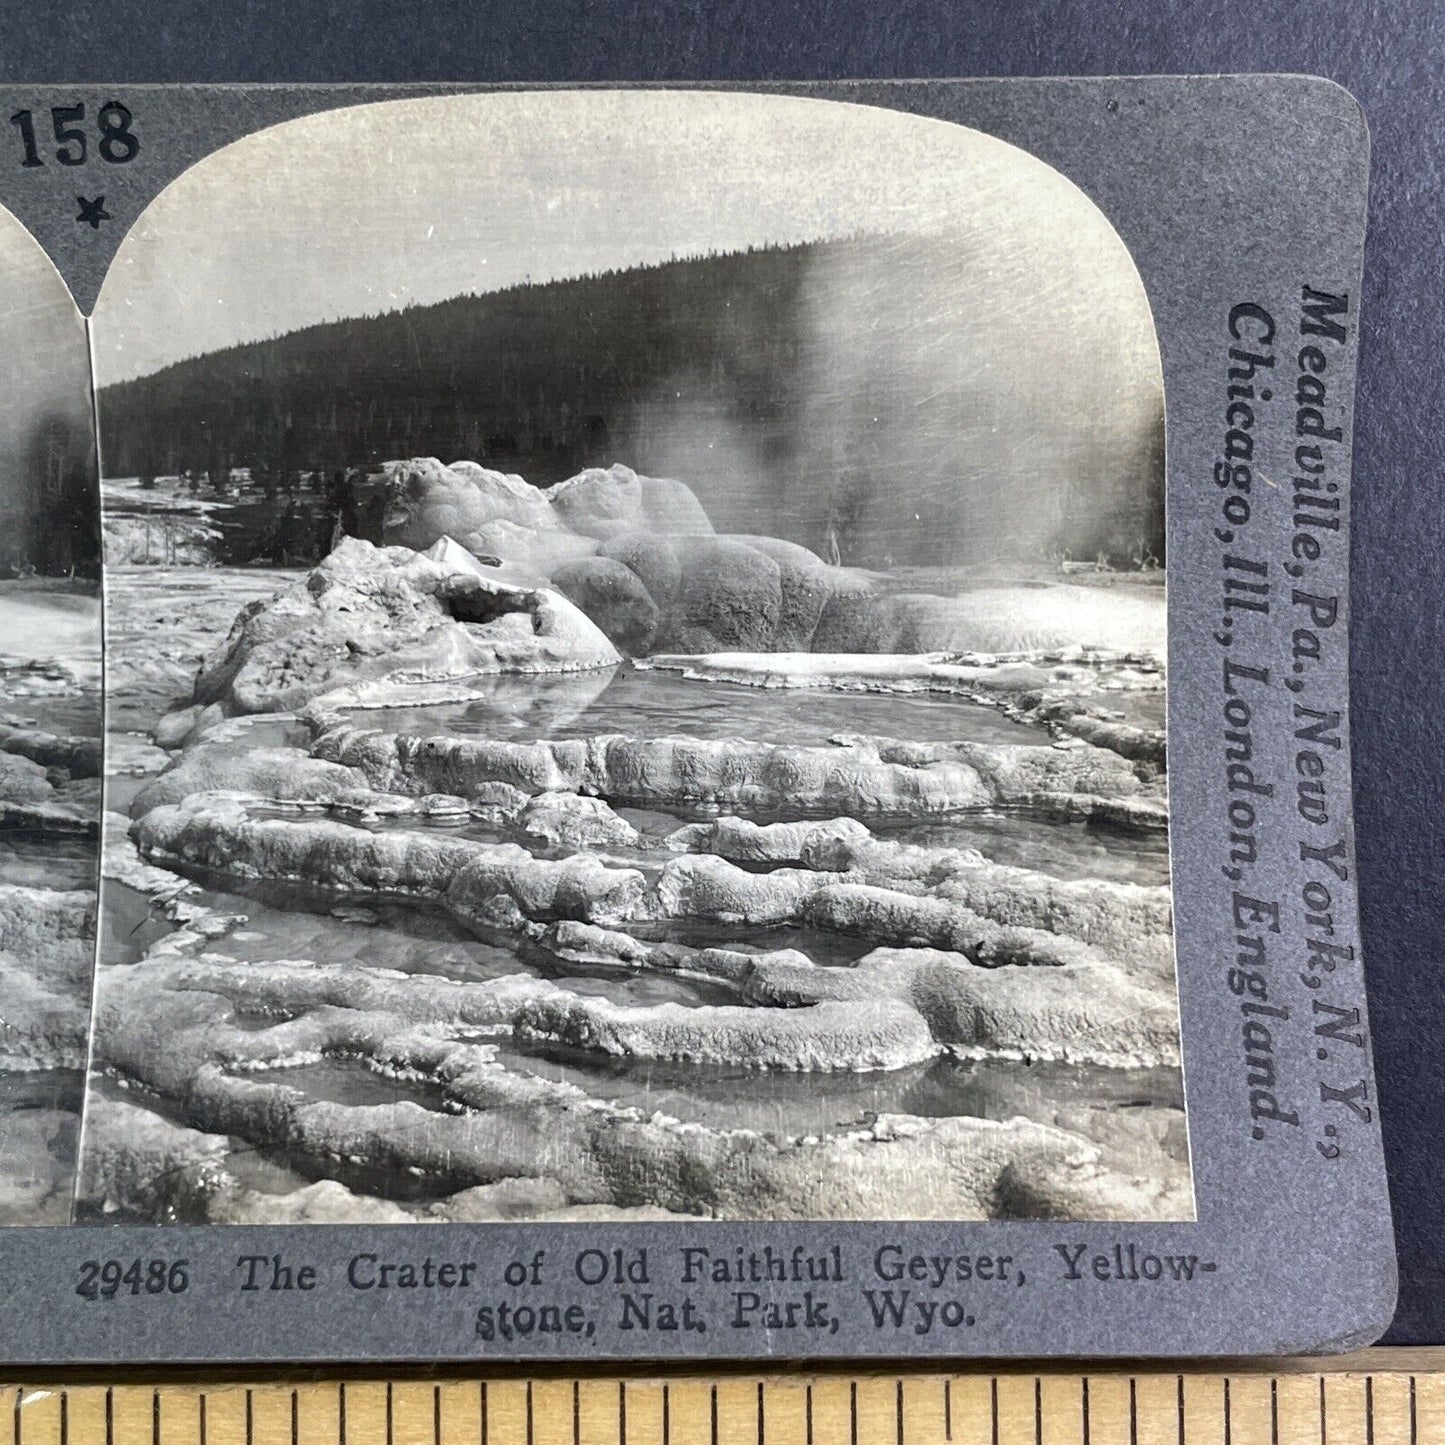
1381, 1397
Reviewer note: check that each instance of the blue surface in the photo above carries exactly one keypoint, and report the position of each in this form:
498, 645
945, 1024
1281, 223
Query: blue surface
1391, 55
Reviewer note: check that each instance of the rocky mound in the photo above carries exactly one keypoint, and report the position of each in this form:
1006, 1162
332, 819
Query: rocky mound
370, 618
46, 943
640, 557
493, 515
49, 785
610, 502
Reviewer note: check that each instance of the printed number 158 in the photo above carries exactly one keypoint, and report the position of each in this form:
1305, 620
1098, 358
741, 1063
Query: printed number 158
117, 144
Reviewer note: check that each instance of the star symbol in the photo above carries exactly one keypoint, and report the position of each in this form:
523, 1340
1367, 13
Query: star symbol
92, 213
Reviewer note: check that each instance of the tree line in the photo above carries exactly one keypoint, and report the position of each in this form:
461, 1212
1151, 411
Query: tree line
754, 375
50, 505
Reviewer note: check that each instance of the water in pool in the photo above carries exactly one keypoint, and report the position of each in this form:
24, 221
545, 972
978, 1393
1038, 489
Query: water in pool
647, 702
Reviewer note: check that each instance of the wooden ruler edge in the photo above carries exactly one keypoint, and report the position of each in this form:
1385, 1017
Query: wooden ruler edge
1426, 1360
1375, 1397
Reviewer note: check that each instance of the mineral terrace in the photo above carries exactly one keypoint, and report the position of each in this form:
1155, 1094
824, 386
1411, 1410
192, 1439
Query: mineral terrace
565, 859
50, 796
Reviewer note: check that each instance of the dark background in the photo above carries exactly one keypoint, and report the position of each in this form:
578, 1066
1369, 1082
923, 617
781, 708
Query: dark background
1390, 53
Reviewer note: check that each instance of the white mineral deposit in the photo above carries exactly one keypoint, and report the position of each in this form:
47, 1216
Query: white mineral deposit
561, 858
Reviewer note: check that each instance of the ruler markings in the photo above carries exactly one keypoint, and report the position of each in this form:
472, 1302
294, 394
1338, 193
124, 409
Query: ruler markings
732, 1414
368, 1413
175, 1417
969, 1409
1154, 1411
930, 1411
597, 1419
130, 1416
1387, 1410
1299, 1410
40, 1415
271, 1415
693, 1413
1429, 1413
1344, 1409
872, 1410
1249, 1410
787, 1412
1057, 1411
1201, 1407
85, 1411
507, 1413
225, 1417
410, 1409
830, 1411
690, 1417
460, 1421
1102, 1415
1394, 1411
1012, 1399
322, 1418
1054, 1407
555, 1411
644, 1411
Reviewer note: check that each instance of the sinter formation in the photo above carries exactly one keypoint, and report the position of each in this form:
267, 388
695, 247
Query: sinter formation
408, 923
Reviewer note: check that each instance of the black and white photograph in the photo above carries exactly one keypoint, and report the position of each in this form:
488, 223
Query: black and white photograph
635, 680
50, 729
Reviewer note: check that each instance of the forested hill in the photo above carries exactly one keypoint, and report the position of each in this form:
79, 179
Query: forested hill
823, 391
531, 379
